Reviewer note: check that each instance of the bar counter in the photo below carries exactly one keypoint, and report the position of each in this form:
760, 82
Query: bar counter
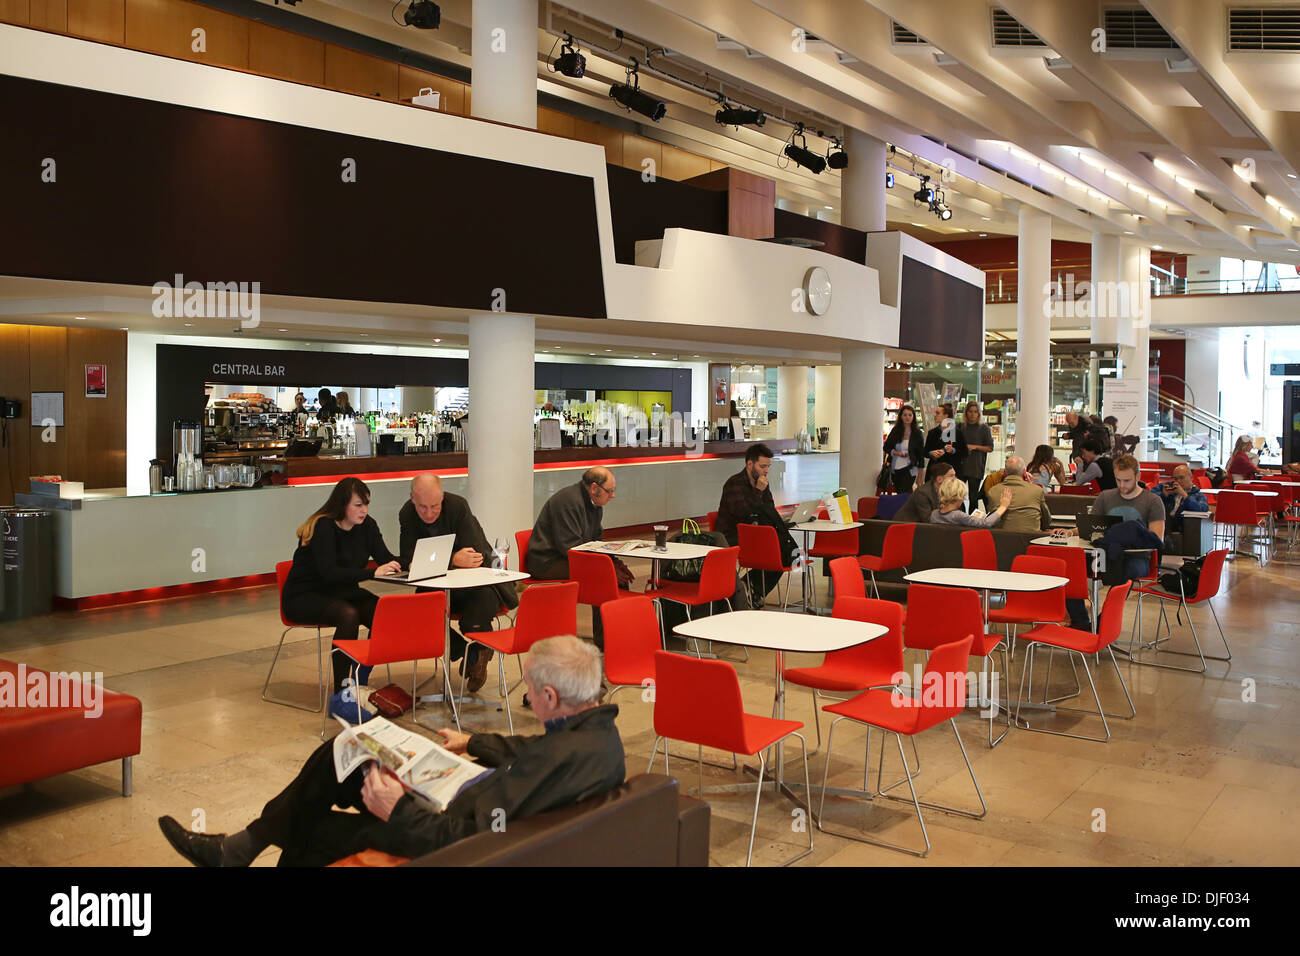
327, 469
113, 547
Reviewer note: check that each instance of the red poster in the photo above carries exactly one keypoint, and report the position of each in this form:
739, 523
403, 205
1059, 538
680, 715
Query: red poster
97, 381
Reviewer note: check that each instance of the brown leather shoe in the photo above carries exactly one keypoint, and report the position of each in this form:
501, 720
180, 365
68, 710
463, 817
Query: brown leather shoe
476, 675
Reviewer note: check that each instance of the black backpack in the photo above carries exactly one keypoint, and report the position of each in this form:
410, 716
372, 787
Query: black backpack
1189, 575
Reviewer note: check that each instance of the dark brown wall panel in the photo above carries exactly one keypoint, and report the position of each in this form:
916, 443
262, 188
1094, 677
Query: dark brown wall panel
48, 365
15, 435
147, 190
96, 427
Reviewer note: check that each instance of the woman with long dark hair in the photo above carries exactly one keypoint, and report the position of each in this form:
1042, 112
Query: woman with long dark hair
904, 450
334, 546
1045, 466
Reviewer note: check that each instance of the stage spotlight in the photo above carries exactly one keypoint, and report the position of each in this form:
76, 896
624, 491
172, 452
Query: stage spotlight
925, 194
423, 15
836, 158
889, 180
631, 97
735, 116
945, 213
570, 62
802, 155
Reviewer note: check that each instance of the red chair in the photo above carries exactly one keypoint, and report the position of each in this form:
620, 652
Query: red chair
895, 552
935, 614
893, 713
1034, 607
632, 637
877, 663
698, 702
1201, 481
978, 550
1207, 588
847, 579
867, 507
833, 544
1075, 489
1076, 567
712, 520
521, 545
547, 609
1237, 509
1082, 643
407, 627
596, 578
760, 550
282, 575
717, 583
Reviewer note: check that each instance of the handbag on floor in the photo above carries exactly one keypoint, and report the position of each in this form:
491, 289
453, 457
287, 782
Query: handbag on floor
391, 701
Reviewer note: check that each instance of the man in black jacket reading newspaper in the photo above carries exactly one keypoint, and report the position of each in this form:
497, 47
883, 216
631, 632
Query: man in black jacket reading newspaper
579, 756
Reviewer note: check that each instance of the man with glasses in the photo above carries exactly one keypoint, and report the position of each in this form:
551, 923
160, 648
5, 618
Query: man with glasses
1179, 495
572, 517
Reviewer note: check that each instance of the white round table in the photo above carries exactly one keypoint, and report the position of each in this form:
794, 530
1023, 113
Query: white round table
806, 528
986, 581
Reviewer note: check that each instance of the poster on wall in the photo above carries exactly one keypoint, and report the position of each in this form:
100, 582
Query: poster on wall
1126, 400
97, 381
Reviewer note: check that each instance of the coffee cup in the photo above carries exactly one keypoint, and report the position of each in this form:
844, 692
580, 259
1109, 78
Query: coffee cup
661, 537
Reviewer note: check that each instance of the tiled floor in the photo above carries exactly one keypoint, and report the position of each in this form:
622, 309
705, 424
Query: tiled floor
1200, 777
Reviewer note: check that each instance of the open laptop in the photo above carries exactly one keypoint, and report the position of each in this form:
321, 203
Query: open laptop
805, 511
431, 560
1091, 526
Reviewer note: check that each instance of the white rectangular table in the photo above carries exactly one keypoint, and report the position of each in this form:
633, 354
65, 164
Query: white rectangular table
777, 632
822, 526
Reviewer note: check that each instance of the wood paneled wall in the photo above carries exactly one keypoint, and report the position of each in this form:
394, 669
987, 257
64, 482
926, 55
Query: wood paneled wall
167, 27
91, 445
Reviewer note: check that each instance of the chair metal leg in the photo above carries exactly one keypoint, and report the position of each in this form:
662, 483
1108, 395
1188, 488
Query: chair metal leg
127, 786
320, 676
1100, 711
758, 792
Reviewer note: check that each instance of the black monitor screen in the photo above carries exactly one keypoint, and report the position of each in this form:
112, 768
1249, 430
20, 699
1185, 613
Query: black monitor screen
940, 313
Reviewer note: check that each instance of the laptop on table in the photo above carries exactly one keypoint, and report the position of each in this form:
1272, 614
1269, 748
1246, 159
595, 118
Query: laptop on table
1091, 526
805, 511
431, 559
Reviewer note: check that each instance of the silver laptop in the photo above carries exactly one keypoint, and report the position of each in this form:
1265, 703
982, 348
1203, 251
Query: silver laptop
431, 559
806, 511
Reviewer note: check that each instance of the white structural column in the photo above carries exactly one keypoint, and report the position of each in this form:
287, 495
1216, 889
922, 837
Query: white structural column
501, 346
1106, 300
826, 403
791, 400
503, 81
1033, 329
1135, 358
501, 405
862, 370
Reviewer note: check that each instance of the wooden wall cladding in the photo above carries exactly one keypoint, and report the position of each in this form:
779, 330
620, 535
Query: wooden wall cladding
15, 11
410, 81
355, 72
48, 15
287, 55
103, 20
91, 445
167, 27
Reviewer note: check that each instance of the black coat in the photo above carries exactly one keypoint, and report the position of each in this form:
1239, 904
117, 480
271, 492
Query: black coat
582, 759
934, 442
455, 518
915, 445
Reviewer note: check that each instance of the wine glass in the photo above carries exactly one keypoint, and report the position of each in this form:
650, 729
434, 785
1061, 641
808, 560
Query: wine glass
501, 553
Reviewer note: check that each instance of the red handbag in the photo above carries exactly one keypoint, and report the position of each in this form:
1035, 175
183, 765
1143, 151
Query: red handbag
391, 701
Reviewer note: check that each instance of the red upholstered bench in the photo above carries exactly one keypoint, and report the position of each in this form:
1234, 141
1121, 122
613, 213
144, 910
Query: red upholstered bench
42, 741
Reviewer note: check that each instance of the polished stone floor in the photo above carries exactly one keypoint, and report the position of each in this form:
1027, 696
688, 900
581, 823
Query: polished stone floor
1208, 772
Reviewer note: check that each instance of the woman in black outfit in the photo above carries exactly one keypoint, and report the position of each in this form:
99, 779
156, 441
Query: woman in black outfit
904, 450
324, 584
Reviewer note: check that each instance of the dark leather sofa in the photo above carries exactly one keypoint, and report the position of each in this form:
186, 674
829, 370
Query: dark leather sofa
644, 822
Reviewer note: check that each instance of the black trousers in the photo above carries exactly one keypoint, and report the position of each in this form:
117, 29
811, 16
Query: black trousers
1078, 611
762, 583
345, 611
974, 484
903, 479
300, 821
474, 608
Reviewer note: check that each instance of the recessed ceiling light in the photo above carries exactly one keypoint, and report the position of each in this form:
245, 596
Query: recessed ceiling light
282, 330
1290, 175
80, 318
125, 329
984, 235
696, 355
363, 334
1157, 247
654, 353
986, 218
189, 325
592, 354
829, 207
609, 350
437, 340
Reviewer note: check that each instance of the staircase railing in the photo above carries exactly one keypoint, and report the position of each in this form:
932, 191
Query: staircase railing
1201, 433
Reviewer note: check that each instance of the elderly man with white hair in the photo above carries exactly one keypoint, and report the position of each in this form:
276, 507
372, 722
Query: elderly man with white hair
1028, 510
579, 756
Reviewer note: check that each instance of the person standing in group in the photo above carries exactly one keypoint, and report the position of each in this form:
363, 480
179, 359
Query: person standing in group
324, 585
945, 442
979, 442
904, 450
1045, 467
1077, 434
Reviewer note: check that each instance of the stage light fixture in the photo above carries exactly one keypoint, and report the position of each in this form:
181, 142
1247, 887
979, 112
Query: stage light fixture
570, 62
630, 96
735, 116
836, 158
802, 155
423, 15
925, 194
889, 180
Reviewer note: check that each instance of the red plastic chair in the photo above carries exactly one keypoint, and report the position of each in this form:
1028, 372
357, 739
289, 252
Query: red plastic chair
547, 609
632, 637
1075, 489
282, 575
1207, 588
1034, 607
867, 507
1082, 643
1076, 567
521, 546
877, 663
833, 544
698, 702
407, 627
596, 578
978, 550
935, 614
847, 579
712, 520
1237, 509
895, 552
717, 583
760, 550
893, 713
1201, 481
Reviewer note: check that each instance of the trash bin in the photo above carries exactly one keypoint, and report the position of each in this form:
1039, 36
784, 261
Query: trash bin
26, 562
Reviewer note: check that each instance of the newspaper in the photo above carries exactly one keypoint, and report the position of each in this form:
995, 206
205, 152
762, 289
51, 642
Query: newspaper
422, 767
615, 547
